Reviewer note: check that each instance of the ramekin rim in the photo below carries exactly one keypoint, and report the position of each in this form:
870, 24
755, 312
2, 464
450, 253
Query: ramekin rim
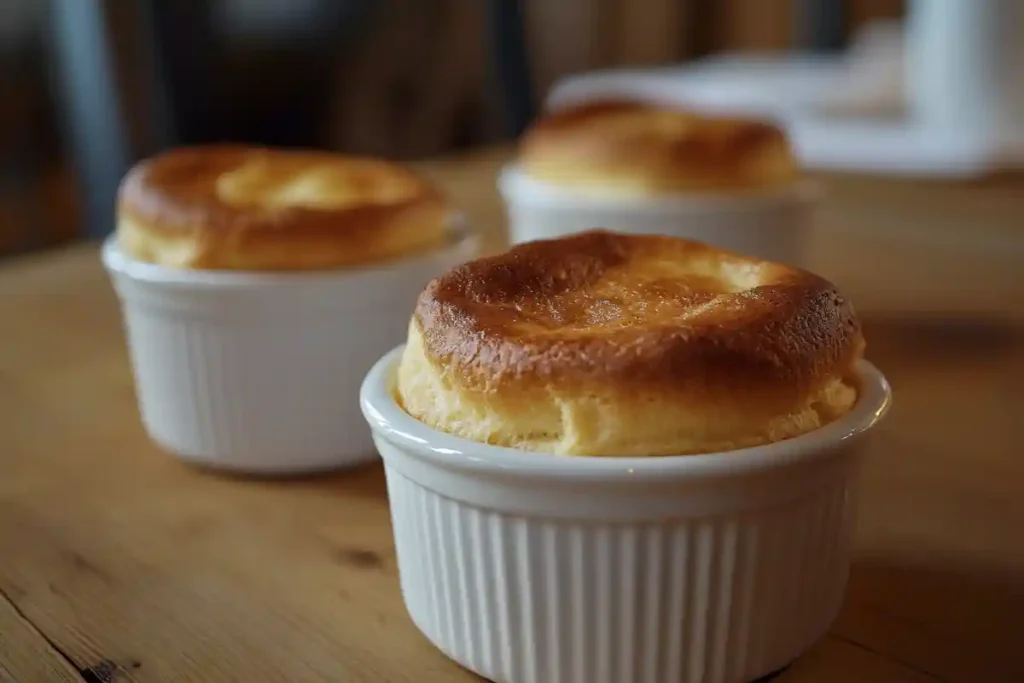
391, 422
116, 261
804, 191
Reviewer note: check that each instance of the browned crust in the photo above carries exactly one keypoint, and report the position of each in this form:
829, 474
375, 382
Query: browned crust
780, 339
172, 199
701, 152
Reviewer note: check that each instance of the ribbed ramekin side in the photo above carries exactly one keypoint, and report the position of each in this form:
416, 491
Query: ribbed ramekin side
254, 395
720, 599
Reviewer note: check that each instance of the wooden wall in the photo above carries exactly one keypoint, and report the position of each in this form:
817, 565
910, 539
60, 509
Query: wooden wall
418, 84
576, 35
444, 79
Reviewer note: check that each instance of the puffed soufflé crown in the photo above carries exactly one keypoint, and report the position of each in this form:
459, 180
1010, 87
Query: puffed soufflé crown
231, 207
639, 148
606, 344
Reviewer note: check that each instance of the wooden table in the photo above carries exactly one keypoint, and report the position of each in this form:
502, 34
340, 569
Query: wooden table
117, 563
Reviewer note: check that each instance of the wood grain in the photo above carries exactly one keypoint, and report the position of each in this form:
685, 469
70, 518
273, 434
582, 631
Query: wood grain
653, 32
139, 568
760, 25
26, 656
564, 38
863, 11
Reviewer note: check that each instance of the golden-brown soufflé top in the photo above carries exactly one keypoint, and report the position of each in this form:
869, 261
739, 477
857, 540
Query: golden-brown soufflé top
607, 344
234, 207
636, 148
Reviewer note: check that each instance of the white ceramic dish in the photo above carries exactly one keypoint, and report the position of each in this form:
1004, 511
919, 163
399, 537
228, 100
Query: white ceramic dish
260, 372
528, 567
772, 225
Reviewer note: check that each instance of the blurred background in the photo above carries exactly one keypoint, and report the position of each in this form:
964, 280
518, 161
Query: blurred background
90, 86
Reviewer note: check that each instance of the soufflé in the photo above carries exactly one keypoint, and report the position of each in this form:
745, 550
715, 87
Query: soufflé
603, 344
632, 148
249, 208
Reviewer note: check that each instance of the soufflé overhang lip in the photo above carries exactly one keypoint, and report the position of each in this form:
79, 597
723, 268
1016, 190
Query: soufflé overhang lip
227, 207
605, 344
635, 148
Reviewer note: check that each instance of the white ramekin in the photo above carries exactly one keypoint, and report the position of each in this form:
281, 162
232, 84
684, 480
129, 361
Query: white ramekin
770, 225
260, 372
526, 567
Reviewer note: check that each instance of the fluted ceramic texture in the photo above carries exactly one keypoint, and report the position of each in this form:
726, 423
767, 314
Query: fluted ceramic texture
256, 395
722, 599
